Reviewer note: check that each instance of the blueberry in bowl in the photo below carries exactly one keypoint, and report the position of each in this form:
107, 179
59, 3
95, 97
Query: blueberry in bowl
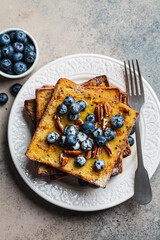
17, 45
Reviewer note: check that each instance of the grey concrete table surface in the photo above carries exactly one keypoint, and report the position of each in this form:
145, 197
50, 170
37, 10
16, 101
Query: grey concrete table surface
122, 29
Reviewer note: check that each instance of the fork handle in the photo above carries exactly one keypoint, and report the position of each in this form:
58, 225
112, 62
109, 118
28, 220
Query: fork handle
142, 188
139, 146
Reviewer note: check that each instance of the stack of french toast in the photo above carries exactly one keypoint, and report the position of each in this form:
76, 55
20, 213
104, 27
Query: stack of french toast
98, 154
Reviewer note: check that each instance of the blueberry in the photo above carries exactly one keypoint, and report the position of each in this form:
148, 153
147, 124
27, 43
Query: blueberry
12, 36
70, 130
88, 127
82, 182
25, 42
17, 57
133, 130
110, 134
82, 104
73, 117
91, 117
62, 109
81, 137
29, 48
10, 71
7, 51
20, 67
4, 39
75, 108
18, 47
97, 132
0, 54
30, 57
76, 146
20, 36
6, 64
101, 140
16, 88
87, 145
130, 140
71, 140
52, 137
62, 140
80, 161
117, 121
3, 98
99, 164
69, 100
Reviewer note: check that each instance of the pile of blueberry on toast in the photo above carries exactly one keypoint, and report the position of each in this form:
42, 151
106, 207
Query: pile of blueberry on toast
82, 130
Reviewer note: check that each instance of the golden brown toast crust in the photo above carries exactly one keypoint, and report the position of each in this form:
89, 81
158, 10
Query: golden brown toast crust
45, 95
36, 152
30, 106
100, 81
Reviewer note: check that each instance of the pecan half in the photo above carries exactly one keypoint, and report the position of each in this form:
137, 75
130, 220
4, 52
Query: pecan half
88, 154
99, 113
72, 153
104, 124
63, 160
79, 123
58, 123
108, 149
107, 109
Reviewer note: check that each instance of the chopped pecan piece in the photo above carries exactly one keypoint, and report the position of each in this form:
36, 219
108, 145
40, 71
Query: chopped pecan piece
63, 160
88, 154
94, 152
79, 123
72, 153
104, 124
58, 123
107, 109
108, 149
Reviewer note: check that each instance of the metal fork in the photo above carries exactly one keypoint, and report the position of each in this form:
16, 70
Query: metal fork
134, 86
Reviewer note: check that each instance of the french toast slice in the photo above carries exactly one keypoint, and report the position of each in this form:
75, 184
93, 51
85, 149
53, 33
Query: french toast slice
39, 150
43, 96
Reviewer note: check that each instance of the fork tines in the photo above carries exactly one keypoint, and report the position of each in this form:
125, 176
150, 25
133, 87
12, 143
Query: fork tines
132, 82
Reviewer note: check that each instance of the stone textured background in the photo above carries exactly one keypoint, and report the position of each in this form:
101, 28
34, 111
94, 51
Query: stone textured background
123, 29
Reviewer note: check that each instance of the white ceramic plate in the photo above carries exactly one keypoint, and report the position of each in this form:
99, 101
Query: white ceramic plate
67, 193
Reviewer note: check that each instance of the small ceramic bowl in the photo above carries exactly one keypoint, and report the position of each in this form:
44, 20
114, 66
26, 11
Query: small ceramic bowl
36, 50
